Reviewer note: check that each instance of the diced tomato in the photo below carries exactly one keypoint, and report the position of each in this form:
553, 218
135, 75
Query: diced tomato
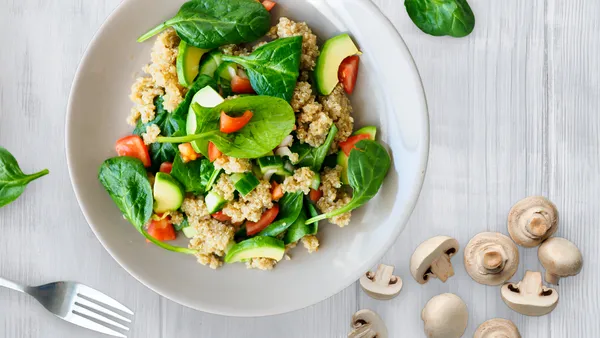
133, 146
252, 228
162, 230
241, 85
352, 141
315, 195
213, 152
232, 124
269, 4
276, 191
166, 167
220, 216
187, 152
348, 73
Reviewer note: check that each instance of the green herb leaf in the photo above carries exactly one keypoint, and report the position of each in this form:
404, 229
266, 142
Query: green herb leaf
274, 67
290, 207
12, 180
213, 23
195, 175
273, 119
442, 17
368, 165
184, 224
314, 157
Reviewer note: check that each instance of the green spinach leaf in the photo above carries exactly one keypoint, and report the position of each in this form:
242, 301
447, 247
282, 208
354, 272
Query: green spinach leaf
274, 67
290, 207
12, 180
273, 119
300, 229
368, 165
442, 17
314, 157
184, 224
213, 23
195, 175
126, 181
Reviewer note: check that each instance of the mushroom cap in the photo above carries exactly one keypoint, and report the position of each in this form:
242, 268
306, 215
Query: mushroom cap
491, 258
497, 328
530, 297
427, 252
445, 316
560, 257
382, 285
532, 220
367, 324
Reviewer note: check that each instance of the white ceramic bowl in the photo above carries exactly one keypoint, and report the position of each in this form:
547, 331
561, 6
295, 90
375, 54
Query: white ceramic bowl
389, 94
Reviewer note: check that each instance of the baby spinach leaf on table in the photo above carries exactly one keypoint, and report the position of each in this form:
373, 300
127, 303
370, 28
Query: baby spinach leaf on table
368, 165
213, 23
314, 157
273, 119
12, 180
194, 175
126, 181
274, 67
290, 207
442, 17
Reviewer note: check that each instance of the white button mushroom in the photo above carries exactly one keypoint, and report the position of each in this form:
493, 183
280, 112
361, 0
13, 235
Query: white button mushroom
497, 328
432, 259
530, 297
367, 324
382, 285
532, 220
560, 258
491, 258
445, 316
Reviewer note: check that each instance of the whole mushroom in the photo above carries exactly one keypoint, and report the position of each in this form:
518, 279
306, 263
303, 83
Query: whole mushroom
560, 258
491, 258
367, 324
382, 285
530, 297
497, 328
532, 220
432, 259
445, 316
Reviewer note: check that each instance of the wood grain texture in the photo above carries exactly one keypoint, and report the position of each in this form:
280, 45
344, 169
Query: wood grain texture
513, 112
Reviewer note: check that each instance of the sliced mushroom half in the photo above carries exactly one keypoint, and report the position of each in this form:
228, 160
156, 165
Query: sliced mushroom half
497, 328
532, 220
382, 284
491, 258
432, 259
445, 316
560, 258
367, 324
530, 297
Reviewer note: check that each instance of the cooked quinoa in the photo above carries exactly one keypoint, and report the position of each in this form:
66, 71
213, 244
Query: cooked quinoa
143, 92
310, 50
224, 188
338, 108
333, 198
313, 124
195, 209
251, 206
233, 165
300, 181
151, 134
261, 263
311, 243
212, 240
302, 96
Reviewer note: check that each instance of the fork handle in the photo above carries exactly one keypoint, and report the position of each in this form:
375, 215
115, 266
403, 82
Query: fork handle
12, 285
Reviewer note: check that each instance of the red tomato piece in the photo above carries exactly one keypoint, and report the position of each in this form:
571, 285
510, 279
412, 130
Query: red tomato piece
269, 4
187, 152
348, 73
352, 141
133, 146
252, 228
232, 124
221, 217
162, 230
276, 191
315, 195
166, 167
213, 152
241, 85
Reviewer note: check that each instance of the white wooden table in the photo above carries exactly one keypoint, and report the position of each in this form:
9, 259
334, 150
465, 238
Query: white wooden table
514, 112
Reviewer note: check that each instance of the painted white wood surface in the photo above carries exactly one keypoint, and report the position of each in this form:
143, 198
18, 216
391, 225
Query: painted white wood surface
514, 112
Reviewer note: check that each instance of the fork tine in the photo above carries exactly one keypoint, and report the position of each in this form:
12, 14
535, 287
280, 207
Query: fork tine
87, 303
92, 314
102, 298
89, 324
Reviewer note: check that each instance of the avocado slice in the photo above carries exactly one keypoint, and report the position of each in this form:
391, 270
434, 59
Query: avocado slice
168, 193
255, 247
188, 63
206, 97
342, 161
334, 51
370, 130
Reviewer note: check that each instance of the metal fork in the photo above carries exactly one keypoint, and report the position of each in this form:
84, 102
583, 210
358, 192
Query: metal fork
78, 304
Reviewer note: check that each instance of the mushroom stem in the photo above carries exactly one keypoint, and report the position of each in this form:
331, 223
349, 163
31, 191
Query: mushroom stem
551, 278
538, 225
384, 274
493, 259
442, 268
531, 283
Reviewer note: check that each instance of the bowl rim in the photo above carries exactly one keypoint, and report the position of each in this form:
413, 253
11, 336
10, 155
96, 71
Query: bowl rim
414, 194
